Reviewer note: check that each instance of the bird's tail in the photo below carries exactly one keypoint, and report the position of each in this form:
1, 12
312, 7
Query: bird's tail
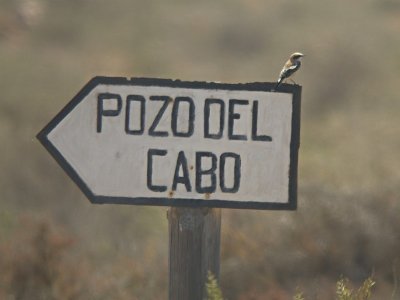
278, 83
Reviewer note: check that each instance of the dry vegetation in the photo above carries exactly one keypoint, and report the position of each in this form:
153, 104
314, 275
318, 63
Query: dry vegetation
55, 245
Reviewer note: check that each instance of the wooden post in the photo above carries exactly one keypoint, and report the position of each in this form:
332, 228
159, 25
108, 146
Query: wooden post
194, 249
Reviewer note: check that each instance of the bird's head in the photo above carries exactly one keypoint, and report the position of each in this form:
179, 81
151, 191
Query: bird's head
296, 56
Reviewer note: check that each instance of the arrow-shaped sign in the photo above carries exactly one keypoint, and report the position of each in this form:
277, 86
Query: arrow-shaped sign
175, 143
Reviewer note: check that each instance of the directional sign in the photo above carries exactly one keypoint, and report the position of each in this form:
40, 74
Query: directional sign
168, 142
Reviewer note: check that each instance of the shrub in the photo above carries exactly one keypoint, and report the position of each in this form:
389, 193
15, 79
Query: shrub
213, 290
344, 292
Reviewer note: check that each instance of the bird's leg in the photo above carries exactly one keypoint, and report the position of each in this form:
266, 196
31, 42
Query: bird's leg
292, 81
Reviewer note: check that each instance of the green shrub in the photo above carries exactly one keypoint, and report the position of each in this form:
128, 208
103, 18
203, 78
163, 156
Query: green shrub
344, 292
213, 290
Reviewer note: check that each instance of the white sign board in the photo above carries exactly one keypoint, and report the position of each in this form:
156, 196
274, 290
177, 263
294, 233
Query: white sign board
164, 142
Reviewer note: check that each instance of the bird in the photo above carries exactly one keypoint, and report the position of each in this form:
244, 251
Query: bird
291, 66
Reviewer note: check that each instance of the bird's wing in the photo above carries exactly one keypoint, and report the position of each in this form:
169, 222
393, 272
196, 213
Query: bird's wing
288, 71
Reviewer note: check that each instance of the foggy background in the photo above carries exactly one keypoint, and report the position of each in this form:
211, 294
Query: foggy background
54, 244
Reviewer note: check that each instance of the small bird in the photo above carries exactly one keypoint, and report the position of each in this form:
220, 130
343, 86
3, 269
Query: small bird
291, 66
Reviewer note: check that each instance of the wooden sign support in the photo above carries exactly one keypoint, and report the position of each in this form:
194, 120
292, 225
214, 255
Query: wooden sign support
194, 250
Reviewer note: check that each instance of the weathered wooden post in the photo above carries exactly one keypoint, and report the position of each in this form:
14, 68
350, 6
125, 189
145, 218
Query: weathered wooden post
194, 249
194, 146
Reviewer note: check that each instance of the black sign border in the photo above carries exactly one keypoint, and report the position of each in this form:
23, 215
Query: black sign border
295, 90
